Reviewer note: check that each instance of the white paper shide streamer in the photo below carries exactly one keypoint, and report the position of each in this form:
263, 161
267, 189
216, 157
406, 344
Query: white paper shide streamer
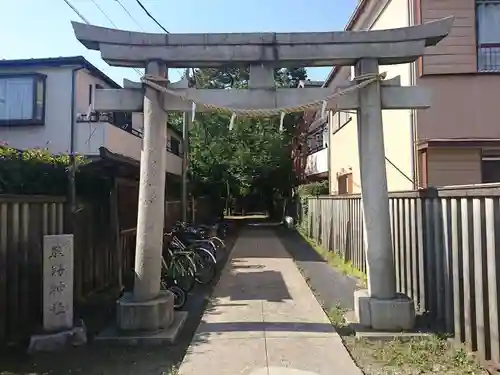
323, 109
282, 117
193, 111
231, 123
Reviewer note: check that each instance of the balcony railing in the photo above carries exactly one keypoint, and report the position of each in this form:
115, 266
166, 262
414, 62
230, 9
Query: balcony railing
123, 120
317, 162
316, 139
488, 57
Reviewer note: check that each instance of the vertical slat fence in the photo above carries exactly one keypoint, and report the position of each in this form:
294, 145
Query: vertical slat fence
24, 220
446, 245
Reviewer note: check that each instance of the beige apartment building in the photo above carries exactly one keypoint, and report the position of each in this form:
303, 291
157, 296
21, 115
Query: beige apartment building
457, 140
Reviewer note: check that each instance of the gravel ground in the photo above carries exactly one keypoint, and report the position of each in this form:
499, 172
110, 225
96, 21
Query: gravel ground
112, 360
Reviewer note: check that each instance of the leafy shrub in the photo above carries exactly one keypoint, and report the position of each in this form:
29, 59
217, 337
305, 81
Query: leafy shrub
304, 192
33, 171
313, 189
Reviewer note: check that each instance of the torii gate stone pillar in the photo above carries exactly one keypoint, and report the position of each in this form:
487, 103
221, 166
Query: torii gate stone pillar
379, 307
147, 308
151, 193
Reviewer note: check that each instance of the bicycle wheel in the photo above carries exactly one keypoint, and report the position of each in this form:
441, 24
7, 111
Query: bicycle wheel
183, 272
180, 296
221, 247
209, 245
206, 267
220, 244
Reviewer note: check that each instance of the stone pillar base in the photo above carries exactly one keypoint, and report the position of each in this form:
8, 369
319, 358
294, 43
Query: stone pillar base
55, 341
151, 315
396, 314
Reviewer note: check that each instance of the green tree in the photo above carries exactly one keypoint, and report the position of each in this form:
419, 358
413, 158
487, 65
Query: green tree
252, 159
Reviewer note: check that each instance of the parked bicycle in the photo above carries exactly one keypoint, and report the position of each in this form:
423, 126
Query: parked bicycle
175, 274
203, 264
201, 234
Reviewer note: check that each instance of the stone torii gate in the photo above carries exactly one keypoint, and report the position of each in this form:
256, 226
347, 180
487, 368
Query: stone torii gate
380, 306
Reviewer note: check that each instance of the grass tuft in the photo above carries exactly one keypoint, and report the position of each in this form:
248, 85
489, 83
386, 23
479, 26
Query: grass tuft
427, 355
337, 316
173, 371
335, 260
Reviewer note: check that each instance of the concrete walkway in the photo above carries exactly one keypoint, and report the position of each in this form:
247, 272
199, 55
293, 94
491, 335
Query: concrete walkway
264, 319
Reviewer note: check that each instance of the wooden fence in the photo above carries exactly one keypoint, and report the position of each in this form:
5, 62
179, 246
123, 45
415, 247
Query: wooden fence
103, 254
95, 250
173, 213
446, 251
127, 237
23, 223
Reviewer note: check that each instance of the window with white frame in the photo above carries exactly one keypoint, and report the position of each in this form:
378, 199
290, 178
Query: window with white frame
488, 35
22, 99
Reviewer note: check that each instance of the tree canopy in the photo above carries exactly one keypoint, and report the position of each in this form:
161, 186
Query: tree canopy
251, 160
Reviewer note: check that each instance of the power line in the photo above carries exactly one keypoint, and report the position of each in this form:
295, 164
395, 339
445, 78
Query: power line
88, 23
151, 16
129, 14
104, 13
76, 11
112, 23
164, 29
133, 19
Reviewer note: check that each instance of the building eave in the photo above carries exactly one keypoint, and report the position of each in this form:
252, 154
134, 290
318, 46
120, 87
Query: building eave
55, 62
458, 143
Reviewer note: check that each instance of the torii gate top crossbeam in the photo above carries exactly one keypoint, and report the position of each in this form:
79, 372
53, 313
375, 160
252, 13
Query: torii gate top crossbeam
133, 49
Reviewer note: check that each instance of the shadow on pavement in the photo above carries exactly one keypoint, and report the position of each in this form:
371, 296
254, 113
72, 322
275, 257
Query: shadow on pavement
329, 285
267, 326
259, 285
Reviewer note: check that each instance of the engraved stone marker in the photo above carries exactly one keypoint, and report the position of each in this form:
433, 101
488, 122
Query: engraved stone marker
57, 282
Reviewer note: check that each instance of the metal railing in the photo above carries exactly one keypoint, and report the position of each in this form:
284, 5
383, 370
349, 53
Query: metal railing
488, 57
320, 132
123, 120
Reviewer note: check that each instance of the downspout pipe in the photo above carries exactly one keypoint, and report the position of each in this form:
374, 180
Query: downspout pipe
413, 122
72, 170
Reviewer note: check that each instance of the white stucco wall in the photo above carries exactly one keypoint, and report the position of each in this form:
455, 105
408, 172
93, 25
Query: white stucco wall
89, 137
55, 133
397, 123
83, 80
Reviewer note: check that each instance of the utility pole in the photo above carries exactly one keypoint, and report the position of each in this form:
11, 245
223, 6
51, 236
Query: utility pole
186, 124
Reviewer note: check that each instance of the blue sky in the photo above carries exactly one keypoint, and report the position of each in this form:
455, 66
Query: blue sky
41, 28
